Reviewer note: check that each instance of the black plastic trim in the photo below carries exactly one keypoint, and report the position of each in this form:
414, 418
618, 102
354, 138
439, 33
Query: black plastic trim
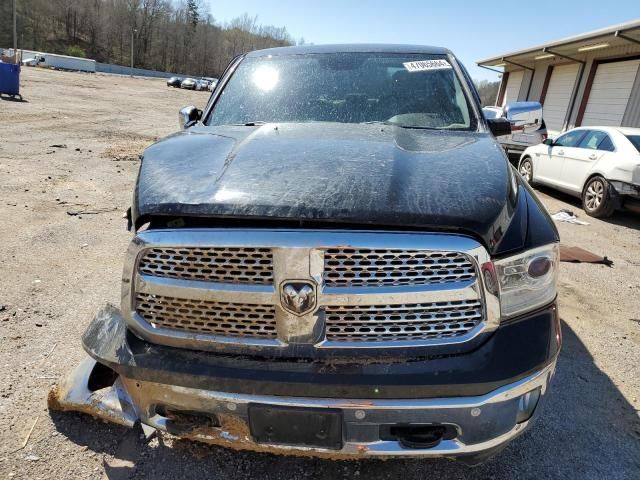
514, 351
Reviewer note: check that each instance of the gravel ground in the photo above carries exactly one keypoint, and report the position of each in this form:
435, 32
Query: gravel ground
62, 240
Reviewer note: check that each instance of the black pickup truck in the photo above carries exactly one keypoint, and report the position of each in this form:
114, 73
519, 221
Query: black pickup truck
333, 258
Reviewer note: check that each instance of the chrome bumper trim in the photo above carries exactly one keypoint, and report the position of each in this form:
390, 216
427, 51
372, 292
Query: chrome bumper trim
483, 423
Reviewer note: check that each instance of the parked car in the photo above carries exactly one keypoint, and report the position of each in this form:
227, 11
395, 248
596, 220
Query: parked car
202, 84
189, 83
175, 82
334, 258
527, 125
599, 164
211, 83
206, 83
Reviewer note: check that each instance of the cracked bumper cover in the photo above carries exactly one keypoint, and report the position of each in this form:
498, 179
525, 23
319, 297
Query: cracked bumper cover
478, 394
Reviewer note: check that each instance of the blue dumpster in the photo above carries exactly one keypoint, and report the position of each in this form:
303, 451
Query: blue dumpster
10, 79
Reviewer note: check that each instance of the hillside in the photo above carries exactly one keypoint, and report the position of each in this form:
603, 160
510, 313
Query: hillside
170, 36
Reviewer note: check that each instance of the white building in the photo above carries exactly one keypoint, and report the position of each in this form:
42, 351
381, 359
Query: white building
587, 79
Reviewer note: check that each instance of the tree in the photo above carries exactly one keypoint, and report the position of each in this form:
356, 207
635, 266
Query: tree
488, 91
193, 13
178, 36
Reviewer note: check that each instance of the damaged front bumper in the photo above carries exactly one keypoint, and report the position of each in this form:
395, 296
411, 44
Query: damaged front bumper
477, 425
75, 393
626, 195
130, 384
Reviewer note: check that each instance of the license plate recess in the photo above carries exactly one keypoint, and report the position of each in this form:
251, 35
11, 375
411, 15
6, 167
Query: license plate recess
294, 426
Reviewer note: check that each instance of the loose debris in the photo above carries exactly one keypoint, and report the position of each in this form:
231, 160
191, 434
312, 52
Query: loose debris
147, 432
126, 152
580, 255
95, 211
50, 352
26, 440
74, 204
567, 216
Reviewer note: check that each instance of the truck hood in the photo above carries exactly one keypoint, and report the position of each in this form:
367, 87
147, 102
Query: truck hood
369, 175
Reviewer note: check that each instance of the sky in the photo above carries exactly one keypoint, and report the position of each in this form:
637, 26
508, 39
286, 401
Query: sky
472, 30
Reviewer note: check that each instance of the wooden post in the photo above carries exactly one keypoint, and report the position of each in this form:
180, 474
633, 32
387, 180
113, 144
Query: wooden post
15, 31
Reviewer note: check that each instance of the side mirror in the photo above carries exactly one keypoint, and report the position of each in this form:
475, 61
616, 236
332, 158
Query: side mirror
188, 116
524, 115
548, 141
499, 126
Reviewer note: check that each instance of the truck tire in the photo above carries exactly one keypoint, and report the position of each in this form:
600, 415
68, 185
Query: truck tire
526, 170
597, 199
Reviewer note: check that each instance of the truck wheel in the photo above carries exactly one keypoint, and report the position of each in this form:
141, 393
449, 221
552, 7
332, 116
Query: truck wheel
596, 198
526, 170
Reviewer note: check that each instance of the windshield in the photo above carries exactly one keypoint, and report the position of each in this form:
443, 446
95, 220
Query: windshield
413, 91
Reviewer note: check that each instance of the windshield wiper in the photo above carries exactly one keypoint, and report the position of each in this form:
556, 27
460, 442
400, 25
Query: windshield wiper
378, 122
386, 122
255, 123
417, 127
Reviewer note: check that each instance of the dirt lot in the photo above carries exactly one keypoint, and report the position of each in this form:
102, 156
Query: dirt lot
62, 240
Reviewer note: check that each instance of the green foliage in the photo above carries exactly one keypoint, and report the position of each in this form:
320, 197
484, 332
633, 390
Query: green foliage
193, 12
75, 51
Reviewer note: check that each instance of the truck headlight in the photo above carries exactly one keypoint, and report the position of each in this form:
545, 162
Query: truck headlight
528, 280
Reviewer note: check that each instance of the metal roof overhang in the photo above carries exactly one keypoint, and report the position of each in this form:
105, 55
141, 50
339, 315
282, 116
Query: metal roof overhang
614, 36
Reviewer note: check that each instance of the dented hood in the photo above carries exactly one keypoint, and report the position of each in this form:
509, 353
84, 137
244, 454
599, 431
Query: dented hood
377, 175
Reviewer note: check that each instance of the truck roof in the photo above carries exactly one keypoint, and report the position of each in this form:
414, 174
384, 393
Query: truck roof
350, 48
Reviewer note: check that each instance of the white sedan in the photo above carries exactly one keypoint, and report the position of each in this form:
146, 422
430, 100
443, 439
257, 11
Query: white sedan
599, 164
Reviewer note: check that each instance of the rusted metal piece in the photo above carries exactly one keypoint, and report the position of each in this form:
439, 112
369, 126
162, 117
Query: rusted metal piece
234, 433
580, 255
111, 403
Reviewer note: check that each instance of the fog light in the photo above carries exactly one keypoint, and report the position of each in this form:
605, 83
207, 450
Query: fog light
527, 405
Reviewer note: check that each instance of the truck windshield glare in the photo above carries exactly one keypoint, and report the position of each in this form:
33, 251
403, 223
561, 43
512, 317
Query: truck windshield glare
414, 91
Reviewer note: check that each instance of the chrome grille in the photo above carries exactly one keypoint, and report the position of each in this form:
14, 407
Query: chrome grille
206, 317
372, 290
348, 267
210, 264
375, 323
